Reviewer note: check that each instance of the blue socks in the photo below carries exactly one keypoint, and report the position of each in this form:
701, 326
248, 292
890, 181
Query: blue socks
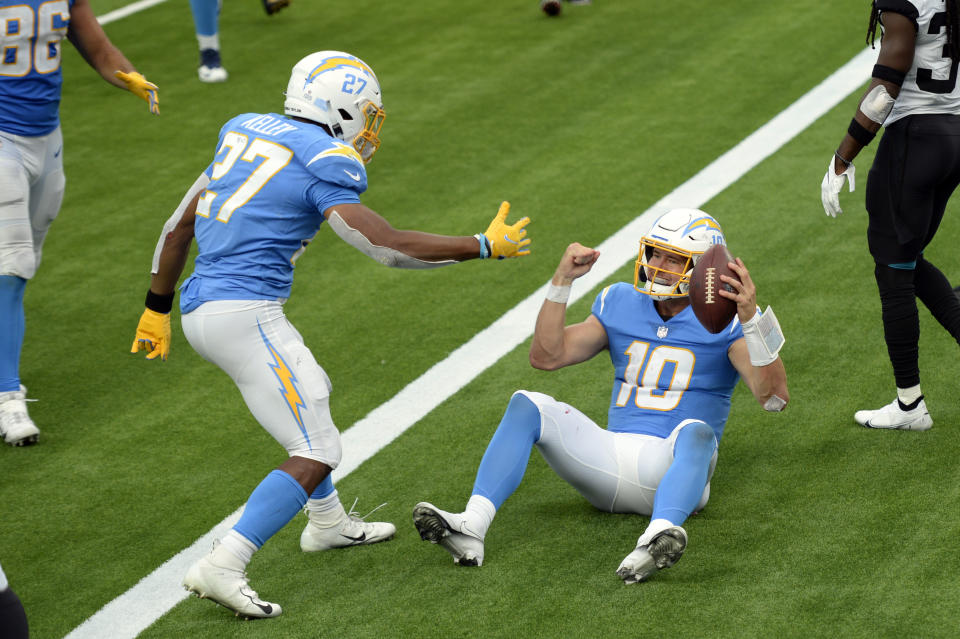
205, 16
508, 453
682, 486
270, 507
324, 488
11, 330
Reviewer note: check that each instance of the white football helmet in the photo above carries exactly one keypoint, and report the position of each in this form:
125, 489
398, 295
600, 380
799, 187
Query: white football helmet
340, 91
684, 232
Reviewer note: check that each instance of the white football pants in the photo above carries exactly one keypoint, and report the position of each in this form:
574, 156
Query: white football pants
31, 192
616, 472
281, 382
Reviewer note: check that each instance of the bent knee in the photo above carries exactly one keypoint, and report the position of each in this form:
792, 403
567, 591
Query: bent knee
697, 436
19, 261
523, 407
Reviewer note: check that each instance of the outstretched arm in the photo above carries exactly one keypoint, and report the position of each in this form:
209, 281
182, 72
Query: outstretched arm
555, 345
92, 42
371, 234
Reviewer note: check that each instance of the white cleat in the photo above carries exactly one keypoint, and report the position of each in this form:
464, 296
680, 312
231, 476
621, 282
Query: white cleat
664, 550
450, 531
210, 69
349, 531
229, 588
892, 416
211, 75
16, 427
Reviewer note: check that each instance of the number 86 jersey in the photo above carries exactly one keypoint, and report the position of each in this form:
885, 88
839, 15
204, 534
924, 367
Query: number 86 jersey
30, 77
666, 371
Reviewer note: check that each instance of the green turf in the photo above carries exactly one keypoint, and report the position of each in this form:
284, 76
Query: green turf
815, 527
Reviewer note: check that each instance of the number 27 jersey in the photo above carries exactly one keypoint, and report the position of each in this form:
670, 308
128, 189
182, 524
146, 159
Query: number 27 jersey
665, 371
270, 181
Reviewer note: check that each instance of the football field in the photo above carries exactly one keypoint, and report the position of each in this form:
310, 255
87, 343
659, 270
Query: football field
815, 527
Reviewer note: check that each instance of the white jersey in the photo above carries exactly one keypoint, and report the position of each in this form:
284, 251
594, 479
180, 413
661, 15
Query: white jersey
931, 84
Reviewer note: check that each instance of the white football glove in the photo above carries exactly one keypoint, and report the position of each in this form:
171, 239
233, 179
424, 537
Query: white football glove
831, 186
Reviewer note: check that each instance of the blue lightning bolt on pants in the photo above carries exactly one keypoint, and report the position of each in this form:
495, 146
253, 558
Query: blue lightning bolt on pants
283, 386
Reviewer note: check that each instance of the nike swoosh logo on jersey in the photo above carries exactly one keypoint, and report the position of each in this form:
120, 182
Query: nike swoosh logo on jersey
355, 176
356, 540
57, 154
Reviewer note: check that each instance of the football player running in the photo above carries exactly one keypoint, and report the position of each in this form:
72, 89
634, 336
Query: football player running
915, 95
671, 398
272, 182
31, 160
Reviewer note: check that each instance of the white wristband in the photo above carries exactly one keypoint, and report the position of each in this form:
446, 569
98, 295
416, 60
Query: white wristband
558, 294
764, 337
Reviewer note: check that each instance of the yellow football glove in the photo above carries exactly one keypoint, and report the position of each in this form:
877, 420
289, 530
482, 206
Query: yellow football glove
153, 334
140, 87
507, 240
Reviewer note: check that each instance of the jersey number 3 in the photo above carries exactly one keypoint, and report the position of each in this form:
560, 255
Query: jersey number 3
925, 79
271, 156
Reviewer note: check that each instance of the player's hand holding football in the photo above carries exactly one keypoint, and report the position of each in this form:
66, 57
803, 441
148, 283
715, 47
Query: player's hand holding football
832, 185
153, 334
140, 87
744, 291
507, 240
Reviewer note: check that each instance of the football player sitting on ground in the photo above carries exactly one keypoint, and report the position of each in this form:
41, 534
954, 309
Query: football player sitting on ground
32, 182
671, 398
272, 182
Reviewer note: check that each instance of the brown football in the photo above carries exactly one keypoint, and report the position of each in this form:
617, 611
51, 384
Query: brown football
713, 311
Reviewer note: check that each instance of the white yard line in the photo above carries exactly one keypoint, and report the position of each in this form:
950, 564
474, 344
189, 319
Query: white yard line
128, 10
132, 612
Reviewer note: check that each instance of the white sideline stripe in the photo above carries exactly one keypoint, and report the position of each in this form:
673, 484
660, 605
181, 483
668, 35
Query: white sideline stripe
132, 612
130, 9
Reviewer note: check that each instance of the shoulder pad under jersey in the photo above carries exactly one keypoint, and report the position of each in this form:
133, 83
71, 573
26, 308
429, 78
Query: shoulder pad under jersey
337, 163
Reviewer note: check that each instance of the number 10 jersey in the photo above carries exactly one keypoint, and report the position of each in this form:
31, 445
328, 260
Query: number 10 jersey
666, 371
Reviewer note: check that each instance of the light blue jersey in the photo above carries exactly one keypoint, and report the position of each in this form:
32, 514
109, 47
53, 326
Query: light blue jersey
665, 371
271, 179
30, 77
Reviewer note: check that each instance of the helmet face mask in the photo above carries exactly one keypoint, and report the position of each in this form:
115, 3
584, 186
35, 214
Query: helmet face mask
341, 92
683, 235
